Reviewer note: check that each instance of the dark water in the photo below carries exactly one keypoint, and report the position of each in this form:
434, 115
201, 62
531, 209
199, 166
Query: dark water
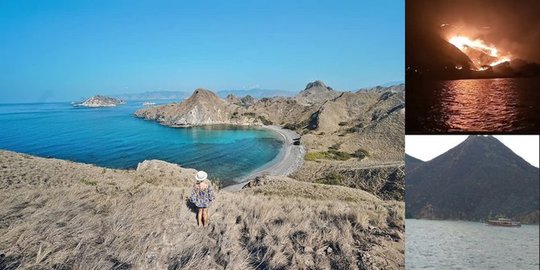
434, 244
478, 105
114, 138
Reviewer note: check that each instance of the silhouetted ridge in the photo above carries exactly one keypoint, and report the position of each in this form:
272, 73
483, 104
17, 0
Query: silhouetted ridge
477, 178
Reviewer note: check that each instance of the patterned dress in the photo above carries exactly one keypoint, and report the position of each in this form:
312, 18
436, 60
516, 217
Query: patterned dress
202, 197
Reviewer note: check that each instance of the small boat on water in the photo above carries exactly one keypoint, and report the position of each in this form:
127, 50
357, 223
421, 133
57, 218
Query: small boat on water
504, 222
148, 103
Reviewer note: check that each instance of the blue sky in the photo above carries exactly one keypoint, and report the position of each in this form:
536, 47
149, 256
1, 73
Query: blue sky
64, 50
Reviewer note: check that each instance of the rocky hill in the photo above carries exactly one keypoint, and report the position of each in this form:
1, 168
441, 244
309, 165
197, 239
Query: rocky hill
316, 93
56, 214
357, 140
480, 177
203, 108
398, 87
100, 101
345, 133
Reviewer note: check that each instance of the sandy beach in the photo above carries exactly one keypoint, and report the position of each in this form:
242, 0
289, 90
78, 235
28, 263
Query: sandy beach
289, 159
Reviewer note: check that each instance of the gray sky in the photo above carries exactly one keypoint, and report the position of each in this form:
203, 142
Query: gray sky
427, 147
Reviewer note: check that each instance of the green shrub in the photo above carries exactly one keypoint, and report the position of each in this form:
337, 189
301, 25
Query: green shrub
342, 124
89, 182
335, 146
338, 155
331, 179
356, 128
265, 121
330, 154
313, 156
360, 153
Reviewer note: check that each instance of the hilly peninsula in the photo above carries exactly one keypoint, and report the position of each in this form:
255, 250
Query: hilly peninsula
478, 179
352, 139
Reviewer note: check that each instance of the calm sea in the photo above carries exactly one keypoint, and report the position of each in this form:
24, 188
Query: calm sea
434, 244
503, 105
114, 138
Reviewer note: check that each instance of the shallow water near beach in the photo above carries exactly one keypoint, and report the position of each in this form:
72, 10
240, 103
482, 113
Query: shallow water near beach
436, 244
114, 138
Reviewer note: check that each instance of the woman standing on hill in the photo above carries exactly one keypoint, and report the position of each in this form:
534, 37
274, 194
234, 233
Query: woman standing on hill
202, 196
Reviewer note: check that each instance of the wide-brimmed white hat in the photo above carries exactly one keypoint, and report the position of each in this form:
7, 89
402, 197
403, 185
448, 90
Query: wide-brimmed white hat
201, 176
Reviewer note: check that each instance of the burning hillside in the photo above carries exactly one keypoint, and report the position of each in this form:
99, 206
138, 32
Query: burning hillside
481, 54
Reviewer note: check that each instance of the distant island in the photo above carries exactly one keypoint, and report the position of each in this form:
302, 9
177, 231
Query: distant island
100, 101
479, 179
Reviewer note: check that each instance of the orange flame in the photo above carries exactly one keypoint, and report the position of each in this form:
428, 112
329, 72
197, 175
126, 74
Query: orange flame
480, 53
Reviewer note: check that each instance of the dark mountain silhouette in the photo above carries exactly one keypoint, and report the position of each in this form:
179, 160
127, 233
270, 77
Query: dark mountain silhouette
429, 55
480, 177
411, 163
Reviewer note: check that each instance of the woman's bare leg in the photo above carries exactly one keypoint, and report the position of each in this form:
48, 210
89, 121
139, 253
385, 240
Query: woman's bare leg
205, 217
200, 216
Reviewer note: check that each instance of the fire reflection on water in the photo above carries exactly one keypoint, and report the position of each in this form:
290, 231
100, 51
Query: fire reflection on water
471, 104
482, 105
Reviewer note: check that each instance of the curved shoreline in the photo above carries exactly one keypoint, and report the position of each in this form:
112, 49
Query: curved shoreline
288, 160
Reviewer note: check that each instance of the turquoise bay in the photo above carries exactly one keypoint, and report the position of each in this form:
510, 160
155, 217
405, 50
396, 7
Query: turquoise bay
114, 138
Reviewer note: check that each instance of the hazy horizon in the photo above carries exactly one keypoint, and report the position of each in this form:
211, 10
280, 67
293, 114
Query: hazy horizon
67, 50
188, 92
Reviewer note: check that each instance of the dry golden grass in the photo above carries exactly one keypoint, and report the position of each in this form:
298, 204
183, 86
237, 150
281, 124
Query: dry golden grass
62, 215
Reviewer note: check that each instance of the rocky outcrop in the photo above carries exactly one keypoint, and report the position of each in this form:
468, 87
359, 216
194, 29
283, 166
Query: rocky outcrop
247, 101
100, 101
231, 98
387, 181
392, 88
203, 108
360, 109
316, 93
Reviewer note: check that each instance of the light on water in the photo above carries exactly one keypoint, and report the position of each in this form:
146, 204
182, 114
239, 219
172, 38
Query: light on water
114, 138
503, 105
435, 244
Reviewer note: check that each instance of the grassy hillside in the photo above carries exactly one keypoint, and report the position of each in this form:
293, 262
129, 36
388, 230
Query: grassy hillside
57, 214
